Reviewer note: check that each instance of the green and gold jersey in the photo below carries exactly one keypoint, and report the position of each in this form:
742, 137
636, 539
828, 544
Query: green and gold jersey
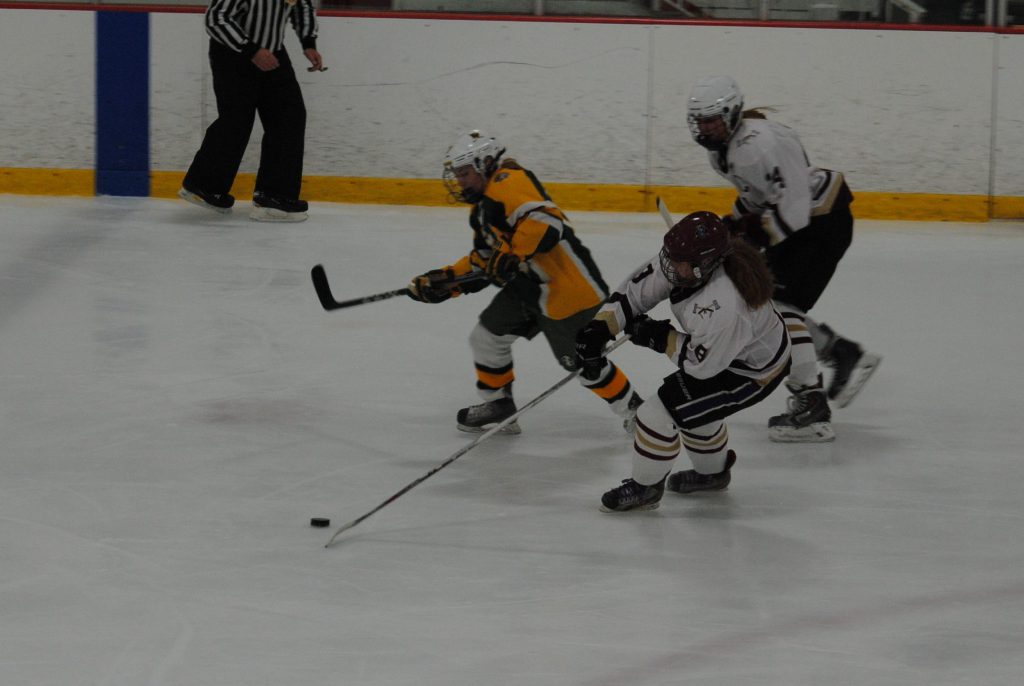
516, 215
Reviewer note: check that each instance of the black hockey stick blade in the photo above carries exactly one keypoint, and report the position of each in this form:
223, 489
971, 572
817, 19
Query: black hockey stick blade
323, 291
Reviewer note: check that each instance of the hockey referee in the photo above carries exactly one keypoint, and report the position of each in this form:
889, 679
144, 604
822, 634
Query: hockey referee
252, 73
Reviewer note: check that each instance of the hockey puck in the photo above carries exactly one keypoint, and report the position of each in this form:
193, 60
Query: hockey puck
319, 522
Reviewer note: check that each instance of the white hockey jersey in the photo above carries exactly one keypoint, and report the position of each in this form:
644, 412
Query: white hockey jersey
767, 164
720, 332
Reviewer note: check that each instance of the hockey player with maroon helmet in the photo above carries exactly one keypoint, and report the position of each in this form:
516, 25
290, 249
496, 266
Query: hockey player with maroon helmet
729, 352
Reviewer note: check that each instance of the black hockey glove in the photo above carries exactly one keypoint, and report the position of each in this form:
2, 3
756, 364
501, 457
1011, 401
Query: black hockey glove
502, 267
471, 286
590, 342
432, 287
650, 333
749, 228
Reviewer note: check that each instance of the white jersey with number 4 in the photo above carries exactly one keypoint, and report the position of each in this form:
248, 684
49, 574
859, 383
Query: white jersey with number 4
720, 331
767, 164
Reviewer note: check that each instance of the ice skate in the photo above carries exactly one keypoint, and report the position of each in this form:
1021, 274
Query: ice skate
218, 202
633, 497
852, 368
692, 481
479, 418
269, 208
808, 421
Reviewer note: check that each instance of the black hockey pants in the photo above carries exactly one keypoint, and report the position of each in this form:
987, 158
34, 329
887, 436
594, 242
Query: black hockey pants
804, 263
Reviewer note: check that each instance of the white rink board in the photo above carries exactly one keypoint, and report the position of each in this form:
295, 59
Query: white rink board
1009, 163
574, 101
47, 89
899, 111
863, 102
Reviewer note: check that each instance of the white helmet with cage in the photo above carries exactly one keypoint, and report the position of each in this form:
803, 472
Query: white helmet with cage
711, 98
476, 149
473, 149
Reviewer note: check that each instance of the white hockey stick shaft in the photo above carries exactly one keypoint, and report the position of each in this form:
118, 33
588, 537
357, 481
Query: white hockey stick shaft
469, 446
665, 214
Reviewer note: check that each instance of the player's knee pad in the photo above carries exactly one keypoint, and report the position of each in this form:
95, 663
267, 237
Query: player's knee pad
490, 348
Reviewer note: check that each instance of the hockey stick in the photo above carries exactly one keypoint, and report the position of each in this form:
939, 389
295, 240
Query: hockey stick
323, 290
665, 214
465, 449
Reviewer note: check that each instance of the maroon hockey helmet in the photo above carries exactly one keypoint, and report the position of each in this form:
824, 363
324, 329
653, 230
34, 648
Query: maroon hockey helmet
700, 239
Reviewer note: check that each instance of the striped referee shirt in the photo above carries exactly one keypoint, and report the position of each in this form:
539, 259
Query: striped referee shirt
245, 26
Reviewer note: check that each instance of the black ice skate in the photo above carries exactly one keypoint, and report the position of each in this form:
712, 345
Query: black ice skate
852, 367
479, 418
629, 417
808, 421
269, 208
692, 481
633, 497
218, 202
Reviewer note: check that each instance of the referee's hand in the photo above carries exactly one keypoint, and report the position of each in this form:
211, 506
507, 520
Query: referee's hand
265, 60
315, 60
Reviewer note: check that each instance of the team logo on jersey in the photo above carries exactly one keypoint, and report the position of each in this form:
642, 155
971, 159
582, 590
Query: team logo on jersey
746, 139
501, 177
705, 312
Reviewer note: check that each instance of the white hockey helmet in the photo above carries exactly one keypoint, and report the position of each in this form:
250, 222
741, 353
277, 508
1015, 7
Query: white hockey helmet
714, 97
474, 149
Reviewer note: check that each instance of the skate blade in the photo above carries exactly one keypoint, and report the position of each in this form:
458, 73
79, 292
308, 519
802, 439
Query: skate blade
199, 202
269, 214
865, 367
640, 508
819, 432
697, 491
508, 430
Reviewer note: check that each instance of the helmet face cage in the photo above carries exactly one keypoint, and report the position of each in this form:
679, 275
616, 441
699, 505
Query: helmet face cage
714, 97
476, 150
701, 240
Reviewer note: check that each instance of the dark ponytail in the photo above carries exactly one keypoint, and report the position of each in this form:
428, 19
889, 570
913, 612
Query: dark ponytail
749, 273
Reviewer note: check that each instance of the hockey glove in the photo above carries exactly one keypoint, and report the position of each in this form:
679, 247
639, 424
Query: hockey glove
650, 333
590, 342
749, 228
502, 267
432, 287
472, 286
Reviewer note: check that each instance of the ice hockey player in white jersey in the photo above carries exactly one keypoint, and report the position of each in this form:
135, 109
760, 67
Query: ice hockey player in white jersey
731, 353
799, 215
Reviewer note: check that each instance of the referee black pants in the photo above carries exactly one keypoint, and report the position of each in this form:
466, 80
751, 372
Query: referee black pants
242, 91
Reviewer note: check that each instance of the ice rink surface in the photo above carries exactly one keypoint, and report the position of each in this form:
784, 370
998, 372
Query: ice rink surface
176, 406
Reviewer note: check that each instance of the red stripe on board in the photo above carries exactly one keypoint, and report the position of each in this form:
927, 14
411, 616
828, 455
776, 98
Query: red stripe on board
450, 16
